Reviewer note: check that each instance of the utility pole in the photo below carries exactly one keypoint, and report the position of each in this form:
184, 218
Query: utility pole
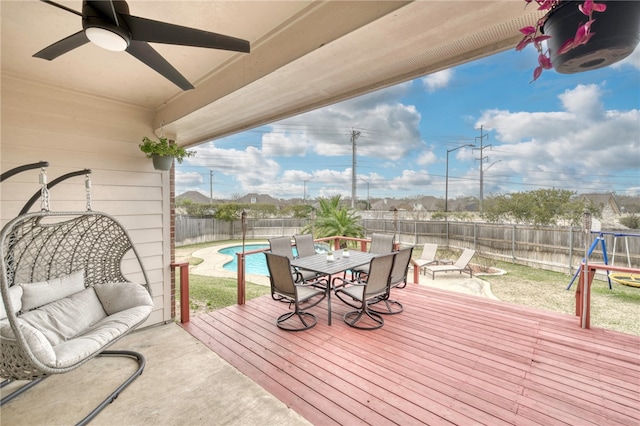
354, 135
482, 159
210, 187
446, 179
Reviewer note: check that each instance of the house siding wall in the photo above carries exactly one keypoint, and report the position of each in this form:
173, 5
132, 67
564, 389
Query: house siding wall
72, 132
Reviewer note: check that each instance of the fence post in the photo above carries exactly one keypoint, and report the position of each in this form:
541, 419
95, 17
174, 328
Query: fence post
447, 230
513, 244
475, 235
570, 249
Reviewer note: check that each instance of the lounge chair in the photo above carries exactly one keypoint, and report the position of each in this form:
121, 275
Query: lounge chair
428, 256
284, 288
461, 265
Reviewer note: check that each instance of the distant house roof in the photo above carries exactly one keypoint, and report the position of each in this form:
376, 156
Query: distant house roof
195, 197
389, 204
254, 198
602, 200
429, 203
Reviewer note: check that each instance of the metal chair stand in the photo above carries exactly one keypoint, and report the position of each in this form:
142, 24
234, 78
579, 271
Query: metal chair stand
393, 307
122, 353
310, 321
352, 318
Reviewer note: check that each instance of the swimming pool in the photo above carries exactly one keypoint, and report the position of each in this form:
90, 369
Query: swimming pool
256, 263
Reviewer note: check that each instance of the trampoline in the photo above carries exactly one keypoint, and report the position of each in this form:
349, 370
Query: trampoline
626, 278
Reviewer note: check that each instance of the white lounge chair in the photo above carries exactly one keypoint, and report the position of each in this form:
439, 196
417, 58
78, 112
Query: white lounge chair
428, 256
461, 265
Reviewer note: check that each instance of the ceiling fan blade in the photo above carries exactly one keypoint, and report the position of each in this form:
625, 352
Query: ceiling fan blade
143, 29
63, 46
146, 54
107, 8
61, 7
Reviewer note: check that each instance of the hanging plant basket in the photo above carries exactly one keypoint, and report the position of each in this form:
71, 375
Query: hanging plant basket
163, 152
162, 162
616, 35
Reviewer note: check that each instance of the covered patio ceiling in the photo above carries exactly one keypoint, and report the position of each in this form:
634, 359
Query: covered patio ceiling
304, 55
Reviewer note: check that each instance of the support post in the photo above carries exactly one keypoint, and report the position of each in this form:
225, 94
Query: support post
242, 297
242, 284
184, 290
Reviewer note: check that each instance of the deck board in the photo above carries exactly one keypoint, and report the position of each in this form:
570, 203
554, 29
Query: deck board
447, 359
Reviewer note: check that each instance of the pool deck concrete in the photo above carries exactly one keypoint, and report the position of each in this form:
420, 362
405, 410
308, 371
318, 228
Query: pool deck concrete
213, 265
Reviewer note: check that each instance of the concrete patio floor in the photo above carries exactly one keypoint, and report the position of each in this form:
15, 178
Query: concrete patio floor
184, 383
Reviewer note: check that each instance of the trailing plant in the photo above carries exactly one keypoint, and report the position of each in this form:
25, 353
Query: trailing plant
534, 35
164, 148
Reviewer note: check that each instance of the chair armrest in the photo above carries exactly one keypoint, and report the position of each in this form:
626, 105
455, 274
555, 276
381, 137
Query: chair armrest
345, 282
312, 283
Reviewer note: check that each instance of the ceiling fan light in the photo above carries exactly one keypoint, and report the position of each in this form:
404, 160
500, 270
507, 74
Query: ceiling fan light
107, 39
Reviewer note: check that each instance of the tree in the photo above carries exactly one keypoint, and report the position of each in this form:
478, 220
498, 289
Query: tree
297, 211
333, 219
632, 221
228, 212
538, 207
194, 209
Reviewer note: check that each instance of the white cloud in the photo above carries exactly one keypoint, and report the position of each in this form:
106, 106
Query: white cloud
582, 143
250, 167
583, 101
438, 80
188, 179
388, 129
426, 157
281, 142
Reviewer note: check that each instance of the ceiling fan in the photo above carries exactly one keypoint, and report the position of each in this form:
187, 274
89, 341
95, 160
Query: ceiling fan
107, 23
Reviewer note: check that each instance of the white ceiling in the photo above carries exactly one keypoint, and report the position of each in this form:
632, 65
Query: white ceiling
304, 54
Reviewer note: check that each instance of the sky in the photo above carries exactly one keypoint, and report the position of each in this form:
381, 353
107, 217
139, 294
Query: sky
579, 132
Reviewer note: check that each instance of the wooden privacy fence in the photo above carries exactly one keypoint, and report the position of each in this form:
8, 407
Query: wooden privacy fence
554, 248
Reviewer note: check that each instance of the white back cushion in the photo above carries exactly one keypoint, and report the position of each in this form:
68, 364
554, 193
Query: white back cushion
41, 293
117, 297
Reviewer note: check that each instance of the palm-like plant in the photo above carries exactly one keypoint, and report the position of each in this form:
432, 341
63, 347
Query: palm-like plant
333, 219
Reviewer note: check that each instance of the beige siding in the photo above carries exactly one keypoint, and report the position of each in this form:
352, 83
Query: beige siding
73, 132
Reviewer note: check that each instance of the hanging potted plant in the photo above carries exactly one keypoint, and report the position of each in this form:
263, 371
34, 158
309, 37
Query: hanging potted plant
582, 35
163, 152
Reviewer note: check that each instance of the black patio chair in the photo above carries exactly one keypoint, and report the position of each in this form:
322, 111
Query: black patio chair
398, 280
284, 288
282, 247
380, 244
305, 245
359, 293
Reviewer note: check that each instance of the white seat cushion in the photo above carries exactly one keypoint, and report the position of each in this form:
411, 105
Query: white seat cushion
64, 319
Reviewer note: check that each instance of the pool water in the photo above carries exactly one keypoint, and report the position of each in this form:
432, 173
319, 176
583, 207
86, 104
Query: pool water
256, 263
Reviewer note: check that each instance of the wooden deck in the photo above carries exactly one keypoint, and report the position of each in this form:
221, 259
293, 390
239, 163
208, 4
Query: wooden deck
447, 359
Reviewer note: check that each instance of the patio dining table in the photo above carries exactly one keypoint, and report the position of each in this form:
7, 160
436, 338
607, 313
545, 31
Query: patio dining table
320, 264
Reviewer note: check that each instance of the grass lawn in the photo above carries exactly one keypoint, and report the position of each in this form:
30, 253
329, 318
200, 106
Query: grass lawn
616, 309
